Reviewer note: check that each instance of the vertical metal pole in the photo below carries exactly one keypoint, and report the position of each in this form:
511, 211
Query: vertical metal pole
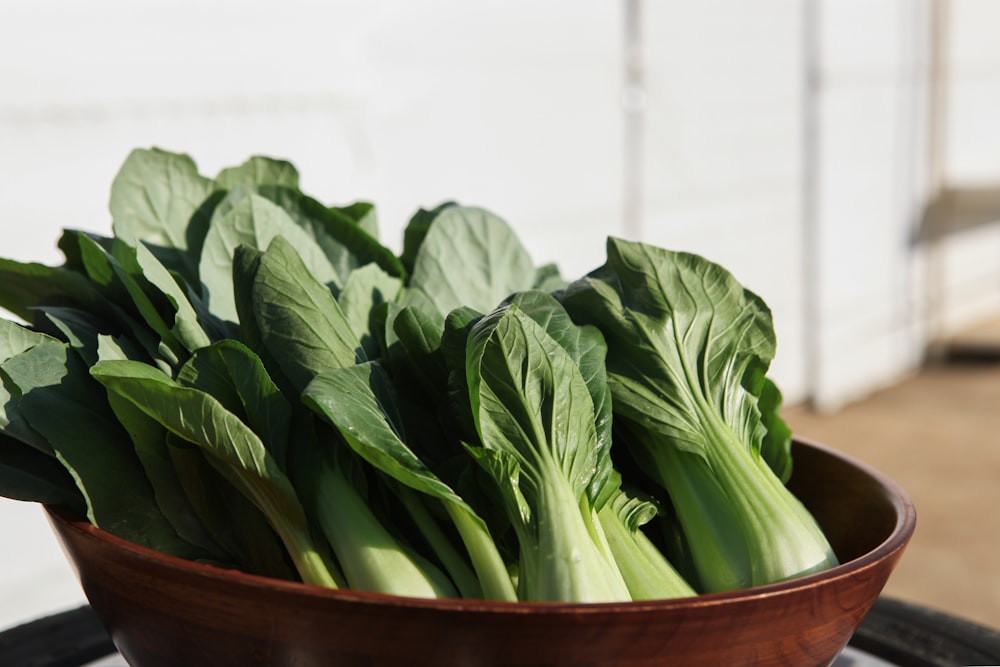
812, 258
633, 105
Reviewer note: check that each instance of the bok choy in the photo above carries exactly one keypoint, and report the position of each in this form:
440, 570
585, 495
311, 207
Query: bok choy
245, 376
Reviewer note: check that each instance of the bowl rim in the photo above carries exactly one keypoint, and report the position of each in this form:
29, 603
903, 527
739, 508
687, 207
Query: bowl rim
894, 542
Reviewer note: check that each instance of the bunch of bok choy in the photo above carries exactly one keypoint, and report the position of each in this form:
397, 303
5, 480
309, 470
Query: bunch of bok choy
242, 375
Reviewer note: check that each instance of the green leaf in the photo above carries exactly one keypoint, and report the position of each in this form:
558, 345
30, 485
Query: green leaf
128, 289
25, 286
157, 197
259, 170
232, 521
548, 279
149, 441
470, 257
530, 399
416, 231
682, 336
29, 475
532, 404
776, 447
348, 245
232, 374
233, 448
79, 328
366, 289
245, 218
420, 336
301, 324
688, 350
15, 339
586, 347
362, 403
57, 397
363, 214
186, 326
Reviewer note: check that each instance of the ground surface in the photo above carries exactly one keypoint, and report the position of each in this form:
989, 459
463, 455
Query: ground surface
936, 434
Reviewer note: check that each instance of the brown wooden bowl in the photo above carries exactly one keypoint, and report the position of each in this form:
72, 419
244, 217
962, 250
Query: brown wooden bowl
163, 611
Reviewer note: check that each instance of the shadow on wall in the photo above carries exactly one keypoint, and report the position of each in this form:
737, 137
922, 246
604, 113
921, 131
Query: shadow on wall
958, 209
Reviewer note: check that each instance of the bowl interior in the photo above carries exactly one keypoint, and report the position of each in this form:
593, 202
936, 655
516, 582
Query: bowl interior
858, 507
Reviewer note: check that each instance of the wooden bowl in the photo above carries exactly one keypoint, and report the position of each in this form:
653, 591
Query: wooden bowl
162, 611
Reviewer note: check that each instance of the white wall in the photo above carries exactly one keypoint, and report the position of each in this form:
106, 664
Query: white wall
871, 157
807, 181
723, 159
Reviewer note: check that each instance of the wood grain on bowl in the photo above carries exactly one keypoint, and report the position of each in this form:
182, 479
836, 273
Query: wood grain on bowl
163, 611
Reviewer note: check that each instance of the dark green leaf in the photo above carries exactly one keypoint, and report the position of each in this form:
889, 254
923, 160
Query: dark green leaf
301, 324
232, 374
24, 287
232, 447
29, 475
57, 396
149, 441
586, 347
776, 448
363, 215
233, 522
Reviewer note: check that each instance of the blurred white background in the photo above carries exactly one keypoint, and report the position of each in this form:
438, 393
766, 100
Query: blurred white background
839, 156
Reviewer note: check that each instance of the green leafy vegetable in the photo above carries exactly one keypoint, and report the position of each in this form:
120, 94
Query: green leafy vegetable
233, 449
244, 375
536, 421
688, 348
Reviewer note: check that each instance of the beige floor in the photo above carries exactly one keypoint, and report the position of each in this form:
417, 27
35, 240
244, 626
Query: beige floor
937, 434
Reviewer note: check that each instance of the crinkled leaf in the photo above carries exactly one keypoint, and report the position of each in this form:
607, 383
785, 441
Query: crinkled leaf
688, 349
586, 347
682, 335
530, 400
